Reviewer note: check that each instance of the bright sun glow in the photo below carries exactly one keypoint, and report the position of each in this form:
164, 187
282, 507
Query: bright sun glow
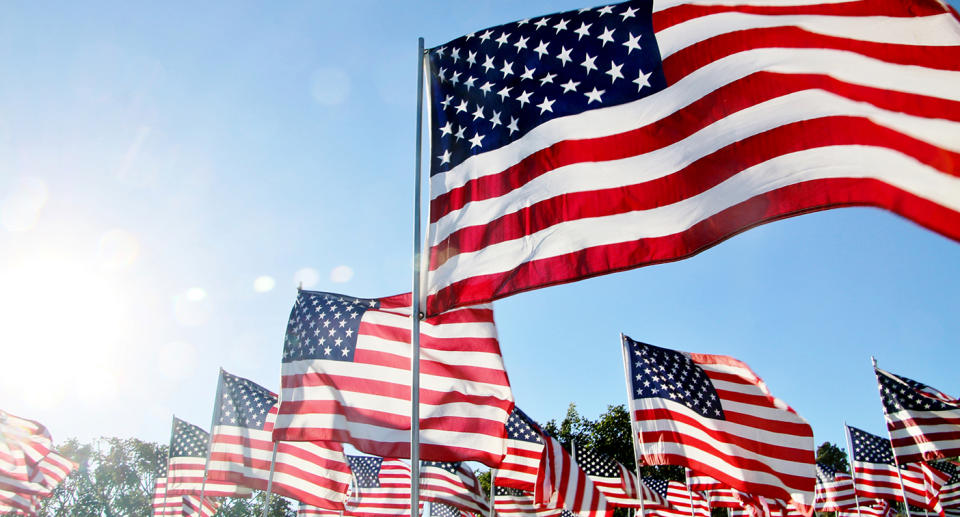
62, 331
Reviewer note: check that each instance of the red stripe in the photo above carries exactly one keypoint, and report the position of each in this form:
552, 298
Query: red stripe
779, 204
898, 422
681, 13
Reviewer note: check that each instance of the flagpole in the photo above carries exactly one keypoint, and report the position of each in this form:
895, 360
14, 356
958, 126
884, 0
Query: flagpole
213, 421
634, 435
273, 464
493, 477
686, 475
416, 311
853, 476
896, 461
167, 484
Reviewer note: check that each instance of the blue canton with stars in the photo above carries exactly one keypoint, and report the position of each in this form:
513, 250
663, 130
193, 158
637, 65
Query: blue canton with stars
663, 373
908, 395
188, 440
521, 427
244, 403
657, 485
825, 473
595, 464
509, 492
443, 510
947, 467
451, 467
324, 326
870, 448
492, 87
366, 470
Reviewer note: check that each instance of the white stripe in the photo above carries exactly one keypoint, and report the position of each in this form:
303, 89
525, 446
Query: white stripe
934, 30
660, 5
889, 166
491, 360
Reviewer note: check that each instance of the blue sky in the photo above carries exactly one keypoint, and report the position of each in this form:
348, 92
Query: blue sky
169, 172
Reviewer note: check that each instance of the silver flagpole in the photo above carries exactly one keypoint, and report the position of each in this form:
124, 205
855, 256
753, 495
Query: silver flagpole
273, 464
213, 421
415, 304
167, 484
853, 477
634, 435
493, 477
686, 475
896, 461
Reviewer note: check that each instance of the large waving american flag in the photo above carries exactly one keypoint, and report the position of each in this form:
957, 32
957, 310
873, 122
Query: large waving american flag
586, 142
346, 378
712, 414
562, 484
315, 473
187, 464
924, 423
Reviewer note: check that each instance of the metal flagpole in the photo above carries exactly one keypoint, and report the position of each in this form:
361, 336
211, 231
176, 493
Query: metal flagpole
853, 477
273, 464
493, 477
415, 304
634, 435
213, 421
686, 476
167, 484
896, 461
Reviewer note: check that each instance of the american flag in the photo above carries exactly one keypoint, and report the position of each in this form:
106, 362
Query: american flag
875, 473
28, 464
445, 510
834, 490
613, 480
524, 450
950, 492
511, 502
18, 503
192, 506
306, 509
346, 378
187, 463
712, 414
381, 487
562, 484
586, 142
453, 484
717, 494
678, 500
924, 424
879, 508
315, 473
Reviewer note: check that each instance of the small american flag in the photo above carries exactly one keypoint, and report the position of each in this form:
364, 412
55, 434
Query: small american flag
524, 450
452, 484
587, 142
924, 423
681, 501
950, 492
381, 487
511, 502
718, 495
562, 484
445, 510
712, 414
875, 473
834, 490
613, 480
315, 473
346, 378
192, 506
187, 463
880, 508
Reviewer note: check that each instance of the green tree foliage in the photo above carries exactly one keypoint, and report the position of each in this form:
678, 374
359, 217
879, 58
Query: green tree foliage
833, 457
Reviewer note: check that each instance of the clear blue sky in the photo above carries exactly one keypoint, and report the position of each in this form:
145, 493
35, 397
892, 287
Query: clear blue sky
168, 172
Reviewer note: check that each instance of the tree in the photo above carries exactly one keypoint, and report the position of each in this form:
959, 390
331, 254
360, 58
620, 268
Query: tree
833, 457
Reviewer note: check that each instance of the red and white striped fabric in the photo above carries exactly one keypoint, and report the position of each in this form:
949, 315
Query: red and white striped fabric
880, 508
306, 509
187, 463
315, 473
346, 378
617, 484
28, 464
562, 484
17, 503
381, 487
510, 502
453, 484
771, 109
714, 415
192, 506
834, 490
717, 494
923, 422
682, 503
524, 449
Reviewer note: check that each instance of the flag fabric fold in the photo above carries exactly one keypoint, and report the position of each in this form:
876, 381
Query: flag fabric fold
834, 490
562, 484
452, 484
712, 414
924, 423
588, 142
346, 378
617, 483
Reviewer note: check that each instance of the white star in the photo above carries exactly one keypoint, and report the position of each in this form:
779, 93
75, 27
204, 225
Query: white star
583, 30
642, 80
527, 73
588, 63
479, 113
614, 72
595, 96
561, 25
455, 54
475, 141
485, 36
455, 78
441, 50
502, 40
445, 157
607, 9
541, 23
547, 79
629, 13
524, 98
459, 134
446, 129
541, 49
606, 37
570, 86
564, 55
632, 43
442, 74
505, 92
463, 106
507, 68
495, 119
546, 105
521, 43
512, 126
469, 82
523, 22
486, 87
488, 63
471, 58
